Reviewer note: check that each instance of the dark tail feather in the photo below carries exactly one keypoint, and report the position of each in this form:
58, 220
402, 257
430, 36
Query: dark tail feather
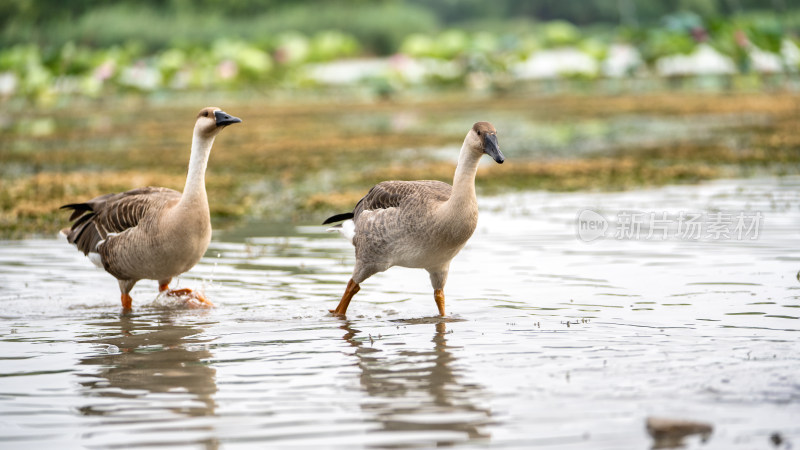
79, 233
338, 218
78, 209
85, 237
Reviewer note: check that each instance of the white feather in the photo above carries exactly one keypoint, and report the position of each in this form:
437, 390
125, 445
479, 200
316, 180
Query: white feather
346, 228
96, 259
99, 243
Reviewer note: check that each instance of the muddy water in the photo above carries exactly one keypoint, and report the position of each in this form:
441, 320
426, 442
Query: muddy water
550, 342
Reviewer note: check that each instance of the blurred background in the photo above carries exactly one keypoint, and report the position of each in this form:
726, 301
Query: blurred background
337, 95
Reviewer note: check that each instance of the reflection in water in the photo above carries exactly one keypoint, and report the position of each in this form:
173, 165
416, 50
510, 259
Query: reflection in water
143, 360
419, 391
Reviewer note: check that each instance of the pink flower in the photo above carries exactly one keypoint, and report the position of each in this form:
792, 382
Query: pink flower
104, 71
227, 69
741, 38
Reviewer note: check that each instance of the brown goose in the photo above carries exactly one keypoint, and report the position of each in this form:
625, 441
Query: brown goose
152, 233
421, 224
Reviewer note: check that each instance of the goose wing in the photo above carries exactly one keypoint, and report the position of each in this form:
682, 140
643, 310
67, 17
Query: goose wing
394, 194
113, 213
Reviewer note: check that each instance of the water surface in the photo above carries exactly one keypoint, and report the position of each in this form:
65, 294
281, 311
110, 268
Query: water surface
550, 342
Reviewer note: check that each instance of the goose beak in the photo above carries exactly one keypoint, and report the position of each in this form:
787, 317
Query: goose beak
224, 118
491, 148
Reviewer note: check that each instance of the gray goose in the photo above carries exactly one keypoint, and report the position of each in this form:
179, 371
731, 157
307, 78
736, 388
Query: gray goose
420, 224
152, 233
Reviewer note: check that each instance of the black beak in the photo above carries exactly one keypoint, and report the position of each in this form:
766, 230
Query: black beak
224, 118
491, 148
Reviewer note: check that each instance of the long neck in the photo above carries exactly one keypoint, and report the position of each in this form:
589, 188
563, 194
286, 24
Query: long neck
464, 180
195, 189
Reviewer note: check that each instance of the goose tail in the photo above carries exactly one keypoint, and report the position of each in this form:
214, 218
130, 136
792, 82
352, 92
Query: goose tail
338, 218
347, 229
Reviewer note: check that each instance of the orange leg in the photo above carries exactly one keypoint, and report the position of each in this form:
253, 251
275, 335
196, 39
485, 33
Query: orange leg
194, 300
127, 303
438, 295
352, 289
163, 285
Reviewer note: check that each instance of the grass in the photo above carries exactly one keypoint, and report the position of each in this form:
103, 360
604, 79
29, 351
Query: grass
300, 162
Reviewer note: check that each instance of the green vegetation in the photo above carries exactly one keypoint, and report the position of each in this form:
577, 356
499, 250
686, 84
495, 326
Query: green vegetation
382, 25
95, 49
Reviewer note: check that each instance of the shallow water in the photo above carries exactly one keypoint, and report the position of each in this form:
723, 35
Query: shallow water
550, 342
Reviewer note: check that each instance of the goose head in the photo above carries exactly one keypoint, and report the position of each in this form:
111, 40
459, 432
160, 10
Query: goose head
483, 139
211, 120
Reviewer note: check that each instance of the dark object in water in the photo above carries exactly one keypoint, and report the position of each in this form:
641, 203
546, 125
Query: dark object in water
669, 433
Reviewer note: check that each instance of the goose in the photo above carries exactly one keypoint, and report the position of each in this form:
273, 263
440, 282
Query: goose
418, 224
152, 233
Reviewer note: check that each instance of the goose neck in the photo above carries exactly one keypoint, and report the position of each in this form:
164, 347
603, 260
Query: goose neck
464, 178
195, 188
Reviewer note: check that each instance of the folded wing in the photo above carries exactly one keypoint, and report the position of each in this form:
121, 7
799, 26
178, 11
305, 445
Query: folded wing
113, 213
